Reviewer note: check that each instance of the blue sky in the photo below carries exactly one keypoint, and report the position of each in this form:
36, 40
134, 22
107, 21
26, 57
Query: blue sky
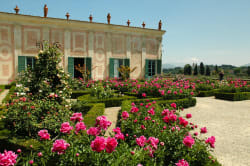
212, 31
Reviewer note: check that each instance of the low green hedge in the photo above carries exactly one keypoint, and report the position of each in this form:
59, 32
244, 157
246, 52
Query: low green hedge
8, 86
77, 93
109, 102
2, 87
233, 96
8, 96
207, 93
93, 113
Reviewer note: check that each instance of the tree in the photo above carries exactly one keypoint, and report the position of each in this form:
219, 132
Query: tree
195, 70
187, 69
207, 71
248, 70
202, 68
216, 69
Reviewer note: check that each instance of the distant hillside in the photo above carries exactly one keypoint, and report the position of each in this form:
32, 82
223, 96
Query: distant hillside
172, 65
247, 64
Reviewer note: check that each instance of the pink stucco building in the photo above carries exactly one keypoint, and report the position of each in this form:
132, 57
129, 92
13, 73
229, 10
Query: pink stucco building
101, 47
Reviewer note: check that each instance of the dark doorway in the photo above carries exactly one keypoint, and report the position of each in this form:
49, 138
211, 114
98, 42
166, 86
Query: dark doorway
81, 62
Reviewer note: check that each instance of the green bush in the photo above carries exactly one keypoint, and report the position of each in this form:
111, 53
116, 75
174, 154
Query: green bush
8, 96
109, 102
77, 93
233, 96
2, 87
206, 93
93, 113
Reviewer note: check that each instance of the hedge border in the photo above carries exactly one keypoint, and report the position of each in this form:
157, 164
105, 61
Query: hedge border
207, 93
233, 96
77, 93
93, 113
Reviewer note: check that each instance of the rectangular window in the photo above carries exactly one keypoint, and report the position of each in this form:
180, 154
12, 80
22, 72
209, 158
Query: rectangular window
114, 64
25, 62
151, 68
83, 64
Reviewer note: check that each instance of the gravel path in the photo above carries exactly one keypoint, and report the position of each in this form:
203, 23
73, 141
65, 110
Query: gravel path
229, 122
112, 114
3, 94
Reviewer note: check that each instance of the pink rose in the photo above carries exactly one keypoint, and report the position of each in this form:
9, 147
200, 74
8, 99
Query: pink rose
76, 117
151, 111
80, 126
144, 95
117, 130
8, 158
119, 136
188, 116
111, 144
183, 122
102, 122
203, 130
211, 141
98, 144
173, 105
125, 115
60, 146
66, 128
44, 135
93, 131
188, 141
153, 142
134, 109
182, 162
141, 141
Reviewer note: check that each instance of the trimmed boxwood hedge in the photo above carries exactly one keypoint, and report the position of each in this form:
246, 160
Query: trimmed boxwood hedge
77, 93
93, 113
233, 96
207, 93
109, 102
8, 96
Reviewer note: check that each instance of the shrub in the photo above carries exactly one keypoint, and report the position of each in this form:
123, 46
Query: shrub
233, 96
77, 93
93, 113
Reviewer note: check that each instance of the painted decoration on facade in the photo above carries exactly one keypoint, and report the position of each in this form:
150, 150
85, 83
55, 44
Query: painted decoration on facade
152, 47
30, 36
136, 44
79, 42
118, 45
99, 58
57, 35
6, 52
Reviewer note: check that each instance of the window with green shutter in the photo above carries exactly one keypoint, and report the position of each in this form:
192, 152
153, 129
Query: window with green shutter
111, 68
159, 66
146, 68
89, 66
71, 66
21, 63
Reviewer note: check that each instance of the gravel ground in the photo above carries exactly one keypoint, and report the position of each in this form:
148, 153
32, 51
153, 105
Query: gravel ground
111, 113
229, 122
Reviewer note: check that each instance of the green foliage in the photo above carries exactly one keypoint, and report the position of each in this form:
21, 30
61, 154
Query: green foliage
195, 69
187, 69
125, 71
76, 93
207, 71
202, 68
8, 96
233, 96
100, 92
93, 113
248, 70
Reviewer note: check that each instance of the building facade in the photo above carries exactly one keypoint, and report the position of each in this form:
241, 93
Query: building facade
101, 47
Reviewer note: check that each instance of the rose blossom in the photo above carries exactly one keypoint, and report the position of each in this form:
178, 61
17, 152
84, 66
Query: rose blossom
60, 146
66, 128
98, 144
188, 116
144, 95
141, 141
153, 141
44, 135
111, 144
203, 130
188, 141
182, 162
76, 117
173, 105
8, 158
211, 141
102, 122
80, 126
125, 115
93, 131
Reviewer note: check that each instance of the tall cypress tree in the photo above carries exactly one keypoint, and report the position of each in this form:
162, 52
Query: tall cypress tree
248, 70
187, 69
202, 68
207, 71
195, 70
216, 69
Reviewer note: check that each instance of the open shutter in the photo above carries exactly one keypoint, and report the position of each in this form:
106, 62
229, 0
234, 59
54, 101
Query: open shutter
21, 63
127, 62
146, 68
71, 66
158, 66
111, 68
89, 66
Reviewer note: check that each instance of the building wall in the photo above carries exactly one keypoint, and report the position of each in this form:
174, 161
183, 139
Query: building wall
19, 35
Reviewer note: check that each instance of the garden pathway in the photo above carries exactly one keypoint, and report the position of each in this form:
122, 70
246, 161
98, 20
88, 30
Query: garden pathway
112, 114
3, 94
229, 122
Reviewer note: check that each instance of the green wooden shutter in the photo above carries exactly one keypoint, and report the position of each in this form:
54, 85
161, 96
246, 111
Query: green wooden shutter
111, 68
89, 66
146, 68
159, 66
21, 63
127, 62
71, 66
